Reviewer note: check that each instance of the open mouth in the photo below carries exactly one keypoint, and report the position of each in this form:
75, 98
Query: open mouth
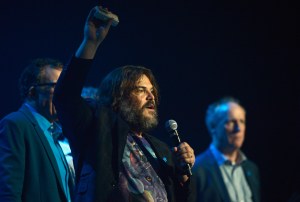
150, 106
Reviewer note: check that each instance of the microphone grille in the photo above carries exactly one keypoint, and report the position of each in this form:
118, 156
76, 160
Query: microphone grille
171, 125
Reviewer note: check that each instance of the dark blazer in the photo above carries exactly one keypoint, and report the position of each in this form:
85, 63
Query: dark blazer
210, 184
28, 169
97, 137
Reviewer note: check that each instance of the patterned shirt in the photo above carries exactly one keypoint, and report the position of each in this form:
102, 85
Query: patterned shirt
138, 179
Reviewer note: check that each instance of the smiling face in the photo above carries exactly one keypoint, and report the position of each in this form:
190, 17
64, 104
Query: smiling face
139, 109
229, 133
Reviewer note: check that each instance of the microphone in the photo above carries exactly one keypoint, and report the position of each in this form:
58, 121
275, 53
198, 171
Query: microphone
171, 127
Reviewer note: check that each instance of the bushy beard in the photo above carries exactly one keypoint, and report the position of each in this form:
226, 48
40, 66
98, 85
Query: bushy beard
133, 115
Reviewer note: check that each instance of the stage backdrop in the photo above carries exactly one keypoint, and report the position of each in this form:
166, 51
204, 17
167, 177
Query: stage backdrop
199, 52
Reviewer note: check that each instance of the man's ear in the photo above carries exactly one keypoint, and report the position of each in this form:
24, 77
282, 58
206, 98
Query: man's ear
31, 92
212, 131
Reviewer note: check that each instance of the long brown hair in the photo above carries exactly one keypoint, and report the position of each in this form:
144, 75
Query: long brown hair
118, 84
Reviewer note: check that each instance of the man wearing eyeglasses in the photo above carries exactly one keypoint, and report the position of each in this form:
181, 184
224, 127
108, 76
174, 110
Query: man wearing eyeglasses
32, 164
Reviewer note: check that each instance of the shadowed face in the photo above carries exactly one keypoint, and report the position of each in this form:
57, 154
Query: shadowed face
43, 93
140, 110
229, 133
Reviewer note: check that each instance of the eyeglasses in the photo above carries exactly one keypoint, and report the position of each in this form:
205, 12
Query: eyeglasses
45, 84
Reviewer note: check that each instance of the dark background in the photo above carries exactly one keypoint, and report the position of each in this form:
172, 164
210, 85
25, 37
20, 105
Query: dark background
199, 52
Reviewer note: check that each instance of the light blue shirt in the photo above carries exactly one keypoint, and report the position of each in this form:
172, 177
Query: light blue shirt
45, 125
65, 146
233, 176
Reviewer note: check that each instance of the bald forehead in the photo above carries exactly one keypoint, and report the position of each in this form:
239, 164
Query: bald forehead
50, 73
225, 107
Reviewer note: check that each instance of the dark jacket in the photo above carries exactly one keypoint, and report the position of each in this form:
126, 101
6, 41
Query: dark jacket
210, 184
28, 168
97, 137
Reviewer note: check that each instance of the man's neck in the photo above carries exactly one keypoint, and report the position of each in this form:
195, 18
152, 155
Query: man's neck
231, 154
33, 105
138, 134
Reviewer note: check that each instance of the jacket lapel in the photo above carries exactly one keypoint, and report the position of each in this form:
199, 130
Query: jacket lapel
161, 154
156, 147
216, 175
44, 142
251, 179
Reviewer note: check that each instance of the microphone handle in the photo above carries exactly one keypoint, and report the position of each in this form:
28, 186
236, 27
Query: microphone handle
176, 141
175, 138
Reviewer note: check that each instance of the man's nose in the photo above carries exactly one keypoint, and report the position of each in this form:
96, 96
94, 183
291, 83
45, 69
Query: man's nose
150, 96
237, 127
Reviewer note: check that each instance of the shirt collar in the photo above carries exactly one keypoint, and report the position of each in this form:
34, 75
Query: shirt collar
41, 120
222, 159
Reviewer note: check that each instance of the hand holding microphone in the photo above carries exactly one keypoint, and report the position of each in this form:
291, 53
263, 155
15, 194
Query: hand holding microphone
184, 154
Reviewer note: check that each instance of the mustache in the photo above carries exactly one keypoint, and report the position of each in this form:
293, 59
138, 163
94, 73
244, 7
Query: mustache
149, 103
